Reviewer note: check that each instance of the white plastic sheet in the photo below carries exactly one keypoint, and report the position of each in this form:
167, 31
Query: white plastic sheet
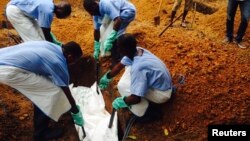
96, 118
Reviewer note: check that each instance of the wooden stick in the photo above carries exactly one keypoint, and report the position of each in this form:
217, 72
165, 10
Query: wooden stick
170, 24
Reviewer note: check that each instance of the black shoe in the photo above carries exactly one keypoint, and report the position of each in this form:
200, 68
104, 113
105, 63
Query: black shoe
49, 134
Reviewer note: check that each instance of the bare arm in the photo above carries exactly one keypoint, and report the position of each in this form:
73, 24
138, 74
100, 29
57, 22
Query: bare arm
47, 35
117, 68
71, 99
97, 34
117, 23
132, 99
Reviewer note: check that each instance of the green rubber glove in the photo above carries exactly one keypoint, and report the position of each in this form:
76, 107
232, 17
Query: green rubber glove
55, 41
119, 103
96, 50
104, 82
109, 41
78, 118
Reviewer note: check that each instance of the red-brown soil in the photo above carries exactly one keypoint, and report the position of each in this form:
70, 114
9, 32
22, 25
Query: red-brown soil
217, 88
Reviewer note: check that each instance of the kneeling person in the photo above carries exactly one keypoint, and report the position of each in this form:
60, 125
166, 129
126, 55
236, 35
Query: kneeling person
145, 80
120, 12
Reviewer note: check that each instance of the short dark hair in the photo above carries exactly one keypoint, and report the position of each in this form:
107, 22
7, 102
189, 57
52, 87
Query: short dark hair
67, 9
127, 42
88, 4
72, 48
62, 9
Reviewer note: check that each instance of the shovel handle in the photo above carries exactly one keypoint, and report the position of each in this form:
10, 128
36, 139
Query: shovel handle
159, 8
112, 118
170, 25
83, 131
97, 76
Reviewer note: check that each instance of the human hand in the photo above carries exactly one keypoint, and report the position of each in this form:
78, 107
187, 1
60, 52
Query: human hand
104, 82
119, 103
78, 118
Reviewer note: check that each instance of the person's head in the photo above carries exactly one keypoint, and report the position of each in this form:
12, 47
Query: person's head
72, 52
92, 7
127, 45
62, 9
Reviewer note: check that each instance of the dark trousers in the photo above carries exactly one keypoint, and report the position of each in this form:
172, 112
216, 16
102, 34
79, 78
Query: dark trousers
231, 11
153, 113
41, 122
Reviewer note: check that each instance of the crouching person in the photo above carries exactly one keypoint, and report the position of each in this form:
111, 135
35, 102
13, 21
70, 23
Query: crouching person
39, 70
145, 83
111, 18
